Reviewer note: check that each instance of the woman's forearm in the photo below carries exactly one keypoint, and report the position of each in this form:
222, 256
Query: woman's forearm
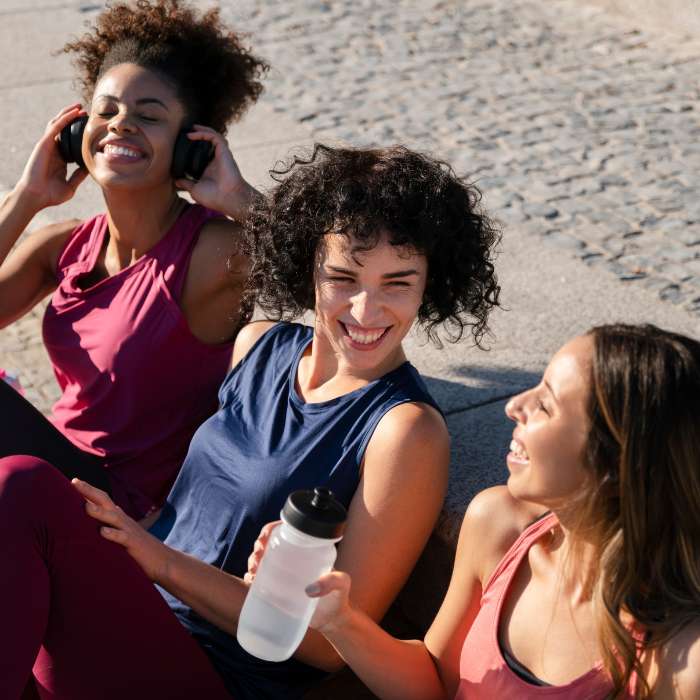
16, 212
215, 595
218, 597
391, 668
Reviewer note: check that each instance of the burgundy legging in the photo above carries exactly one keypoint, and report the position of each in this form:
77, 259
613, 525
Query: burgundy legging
78, 609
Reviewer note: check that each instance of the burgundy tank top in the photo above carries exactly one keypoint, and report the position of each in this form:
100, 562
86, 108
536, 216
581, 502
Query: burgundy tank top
484, 674
136, 383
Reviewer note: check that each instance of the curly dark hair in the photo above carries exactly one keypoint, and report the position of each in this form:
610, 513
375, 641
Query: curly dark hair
214, 75
363, 193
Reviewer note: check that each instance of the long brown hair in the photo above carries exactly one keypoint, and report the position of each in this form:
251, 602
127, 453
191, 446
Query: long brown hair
641, 505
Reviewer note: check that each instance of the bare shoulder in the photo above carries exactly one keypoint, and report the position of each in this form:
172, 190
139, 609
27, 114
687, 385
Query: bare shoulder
59, 229
688, 677
410, 431
413, 416
219, 234
216, 255
679, 666
495, 519
55, 234
247, 337
46, 243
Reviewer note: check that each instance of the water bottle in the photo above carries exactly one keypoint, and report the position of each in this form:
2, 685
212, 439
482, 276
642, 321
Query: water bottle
277, 611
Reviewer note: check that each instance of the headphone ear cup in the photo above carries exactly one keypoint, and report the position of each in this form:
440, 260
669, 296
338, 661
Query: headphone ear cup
190, 158
70, 141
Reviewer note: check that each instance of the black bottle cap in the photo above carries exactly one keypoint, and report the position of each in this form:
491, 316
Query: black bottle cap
316, 513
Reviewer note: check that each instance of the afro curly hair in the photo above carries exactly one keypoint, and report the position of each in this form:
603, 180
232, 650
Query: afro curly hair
363, 193
214, 75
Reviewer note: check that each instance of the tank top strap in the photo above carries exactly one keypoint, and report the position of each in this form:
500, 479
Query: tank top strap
82, 246
173, 256
509, 563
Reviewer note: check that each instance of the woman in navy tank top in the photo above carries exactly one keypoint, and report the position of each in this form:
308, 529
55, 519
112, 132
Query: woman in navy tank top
371, 241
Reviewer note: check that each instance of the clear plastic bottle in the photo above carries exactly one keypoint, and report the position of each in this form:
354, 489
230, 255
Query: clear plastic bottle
277, 611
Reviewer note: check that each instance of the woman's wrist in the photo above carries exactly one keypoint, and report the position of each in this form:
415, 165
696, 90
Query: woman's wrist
165, 574
343, 627
238, 201
23, 201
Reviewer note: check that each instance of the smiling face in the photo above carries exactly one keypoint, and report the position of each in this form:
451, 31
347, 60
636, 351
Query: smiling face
133, 123
366, 301
546, 458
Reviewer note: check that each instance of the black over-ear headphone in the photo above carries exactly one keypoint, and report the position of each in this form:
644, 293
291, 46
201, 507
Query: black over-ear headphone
190, 158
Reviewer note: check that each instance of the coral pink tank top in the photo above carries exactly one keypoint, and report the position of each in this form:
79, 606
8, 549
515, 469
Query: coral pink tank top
484, 674
135, 382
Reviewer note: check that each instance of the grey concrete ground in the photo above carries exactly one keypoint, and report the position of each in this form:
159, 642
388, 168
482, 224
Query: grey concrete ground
680, 16
580, 129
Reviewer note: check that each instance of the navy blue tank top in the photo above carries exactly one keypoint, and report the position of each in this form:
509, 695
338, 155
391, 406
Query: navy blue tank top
264, 442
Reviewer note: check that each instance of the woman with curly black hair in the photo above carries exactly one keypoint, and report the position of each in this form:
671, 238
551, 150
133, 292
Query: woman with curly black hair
144, 303
371, 240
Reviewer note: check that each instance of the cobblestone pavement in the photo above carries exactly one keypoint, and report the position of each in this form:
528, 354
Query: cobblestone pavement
580, 129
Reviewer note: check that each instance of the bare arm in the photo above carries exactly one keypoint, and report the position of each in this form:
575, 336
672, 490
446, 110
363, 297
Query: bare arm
676, 666
215, 280
408, 669
27, 275
390, 519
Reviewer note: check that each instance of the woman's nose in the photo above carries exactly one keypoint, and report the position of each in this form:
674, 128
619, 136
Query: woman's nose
363, 308
121, 122
515, 408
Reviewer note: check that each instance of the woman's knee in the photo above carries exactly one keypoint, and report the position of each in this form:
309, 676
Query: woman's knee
25, 477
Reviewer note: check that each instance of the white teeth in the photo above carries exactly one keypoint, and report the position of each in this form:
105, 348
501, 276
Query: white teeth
363, 337
518, 450
121, 151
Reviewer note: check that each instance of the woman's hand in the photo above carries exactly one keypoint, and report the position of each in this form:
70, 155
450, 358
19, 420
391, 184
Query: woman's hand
334, 607
150, 553
45, 177
258, 550
221, 186
332, 588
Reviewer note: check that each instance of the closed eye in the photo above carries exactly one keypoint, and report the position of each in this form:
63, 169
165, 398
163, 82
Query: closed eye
341, 279
541, 406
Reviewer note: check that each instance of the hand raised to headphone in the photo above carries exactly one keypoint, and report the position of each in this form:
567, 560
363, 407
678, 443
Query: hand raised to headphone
45, 176
221, 187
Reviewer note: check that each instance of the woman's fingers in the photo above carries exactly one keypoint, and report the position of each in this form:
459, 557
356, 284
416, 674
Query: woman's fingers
186, 185
114, 535
199, 130
99, 505
266, 531
77, 176
105, 514
259, 549
92, 494
332, 581
253, 561
64, 111
62, 119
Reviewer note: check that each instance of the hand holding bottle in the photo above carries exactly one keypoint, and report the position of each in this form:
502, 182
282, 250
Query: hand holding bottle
277, 610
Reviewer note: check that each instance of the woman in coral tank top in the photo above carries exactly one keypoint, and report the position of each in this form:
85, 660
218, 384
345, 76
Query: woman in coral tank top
142, 315
599, 597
